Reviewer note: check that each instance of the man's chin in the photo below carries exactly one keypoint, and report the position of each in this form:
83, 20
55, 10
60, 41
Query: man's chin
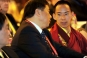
63, 26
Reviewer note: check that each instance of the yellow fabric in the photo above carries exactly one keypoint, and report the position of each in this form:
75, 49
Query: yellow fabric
1, 55
12, 28
63, 41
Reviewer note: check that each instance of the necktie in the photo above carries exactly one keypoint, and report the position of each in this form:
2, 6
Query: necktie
49, 43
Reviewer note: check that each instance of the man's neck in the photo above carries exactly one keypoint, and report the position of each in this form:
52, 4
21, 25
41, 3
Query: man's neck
68, 30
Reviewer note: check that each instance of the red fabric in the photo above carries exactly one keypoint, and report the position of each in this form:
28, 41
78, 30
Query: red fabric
76, 42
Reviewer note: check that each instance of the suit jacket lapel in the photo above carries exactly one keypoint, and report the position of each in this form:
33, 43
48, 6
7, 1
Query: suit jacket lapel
48, 35
5, 55
43, 41
30, 24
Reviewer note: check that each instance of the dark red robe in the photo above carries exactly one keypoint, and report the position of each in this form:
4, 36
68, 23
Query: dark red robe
76, 40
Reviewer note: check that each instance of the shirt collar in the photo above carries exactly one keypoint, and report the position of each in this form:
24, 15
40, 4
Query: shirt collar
37, 27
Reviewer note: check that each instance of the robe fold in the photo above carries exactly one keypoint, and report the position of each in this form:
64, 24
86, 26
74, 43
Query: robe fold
76, 41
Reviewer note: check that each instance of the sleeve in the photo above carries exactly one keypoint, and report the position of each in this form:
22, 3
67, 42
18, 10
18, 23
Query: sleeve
65, 52
83, 44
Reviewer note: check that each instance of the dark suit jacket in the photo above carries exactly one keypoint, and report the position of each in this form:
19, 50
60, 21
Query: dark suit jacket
28, 42
9, 52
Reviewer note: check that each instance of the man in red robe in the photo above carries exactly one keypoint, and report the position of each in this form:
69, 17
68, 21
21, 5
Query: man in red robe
62, 32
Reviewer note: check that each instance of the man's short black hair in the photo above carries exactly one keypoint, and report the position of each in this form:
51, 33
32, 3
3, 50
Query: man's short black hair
2, 20
60, 3
31, 6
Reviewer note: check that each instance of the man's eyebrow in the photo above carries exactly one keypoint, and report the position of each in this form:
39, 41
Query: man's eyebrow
64, 12
58, 12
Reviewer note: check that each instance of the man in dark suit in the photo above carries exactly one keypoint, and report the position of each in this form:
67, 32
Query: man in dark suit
5, 51
33, 40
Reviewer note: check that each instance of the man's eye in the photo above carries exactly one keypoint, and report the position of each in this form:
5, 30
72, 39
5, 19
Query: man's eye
59, 14
66, 13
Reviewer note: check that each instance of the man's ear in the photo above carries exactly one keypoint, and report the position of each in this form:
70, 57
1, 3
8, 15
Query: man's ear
38, 12
73, 14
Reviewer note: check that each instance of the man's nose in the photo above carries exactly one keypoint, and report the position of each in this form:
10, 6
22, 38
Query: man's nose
63, 17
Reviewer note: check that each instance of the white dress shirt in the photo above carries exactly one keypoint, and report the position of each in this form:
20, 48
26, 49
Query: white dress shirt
37, 27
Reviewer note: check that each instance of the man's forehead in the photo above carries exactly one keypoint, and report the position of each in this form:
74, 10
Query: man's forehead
62, 7
5, 0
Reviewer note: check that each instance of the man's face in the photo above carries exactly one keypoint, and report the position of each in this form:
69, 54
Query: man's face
4, 5
45, 17
4, 34
63, 15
